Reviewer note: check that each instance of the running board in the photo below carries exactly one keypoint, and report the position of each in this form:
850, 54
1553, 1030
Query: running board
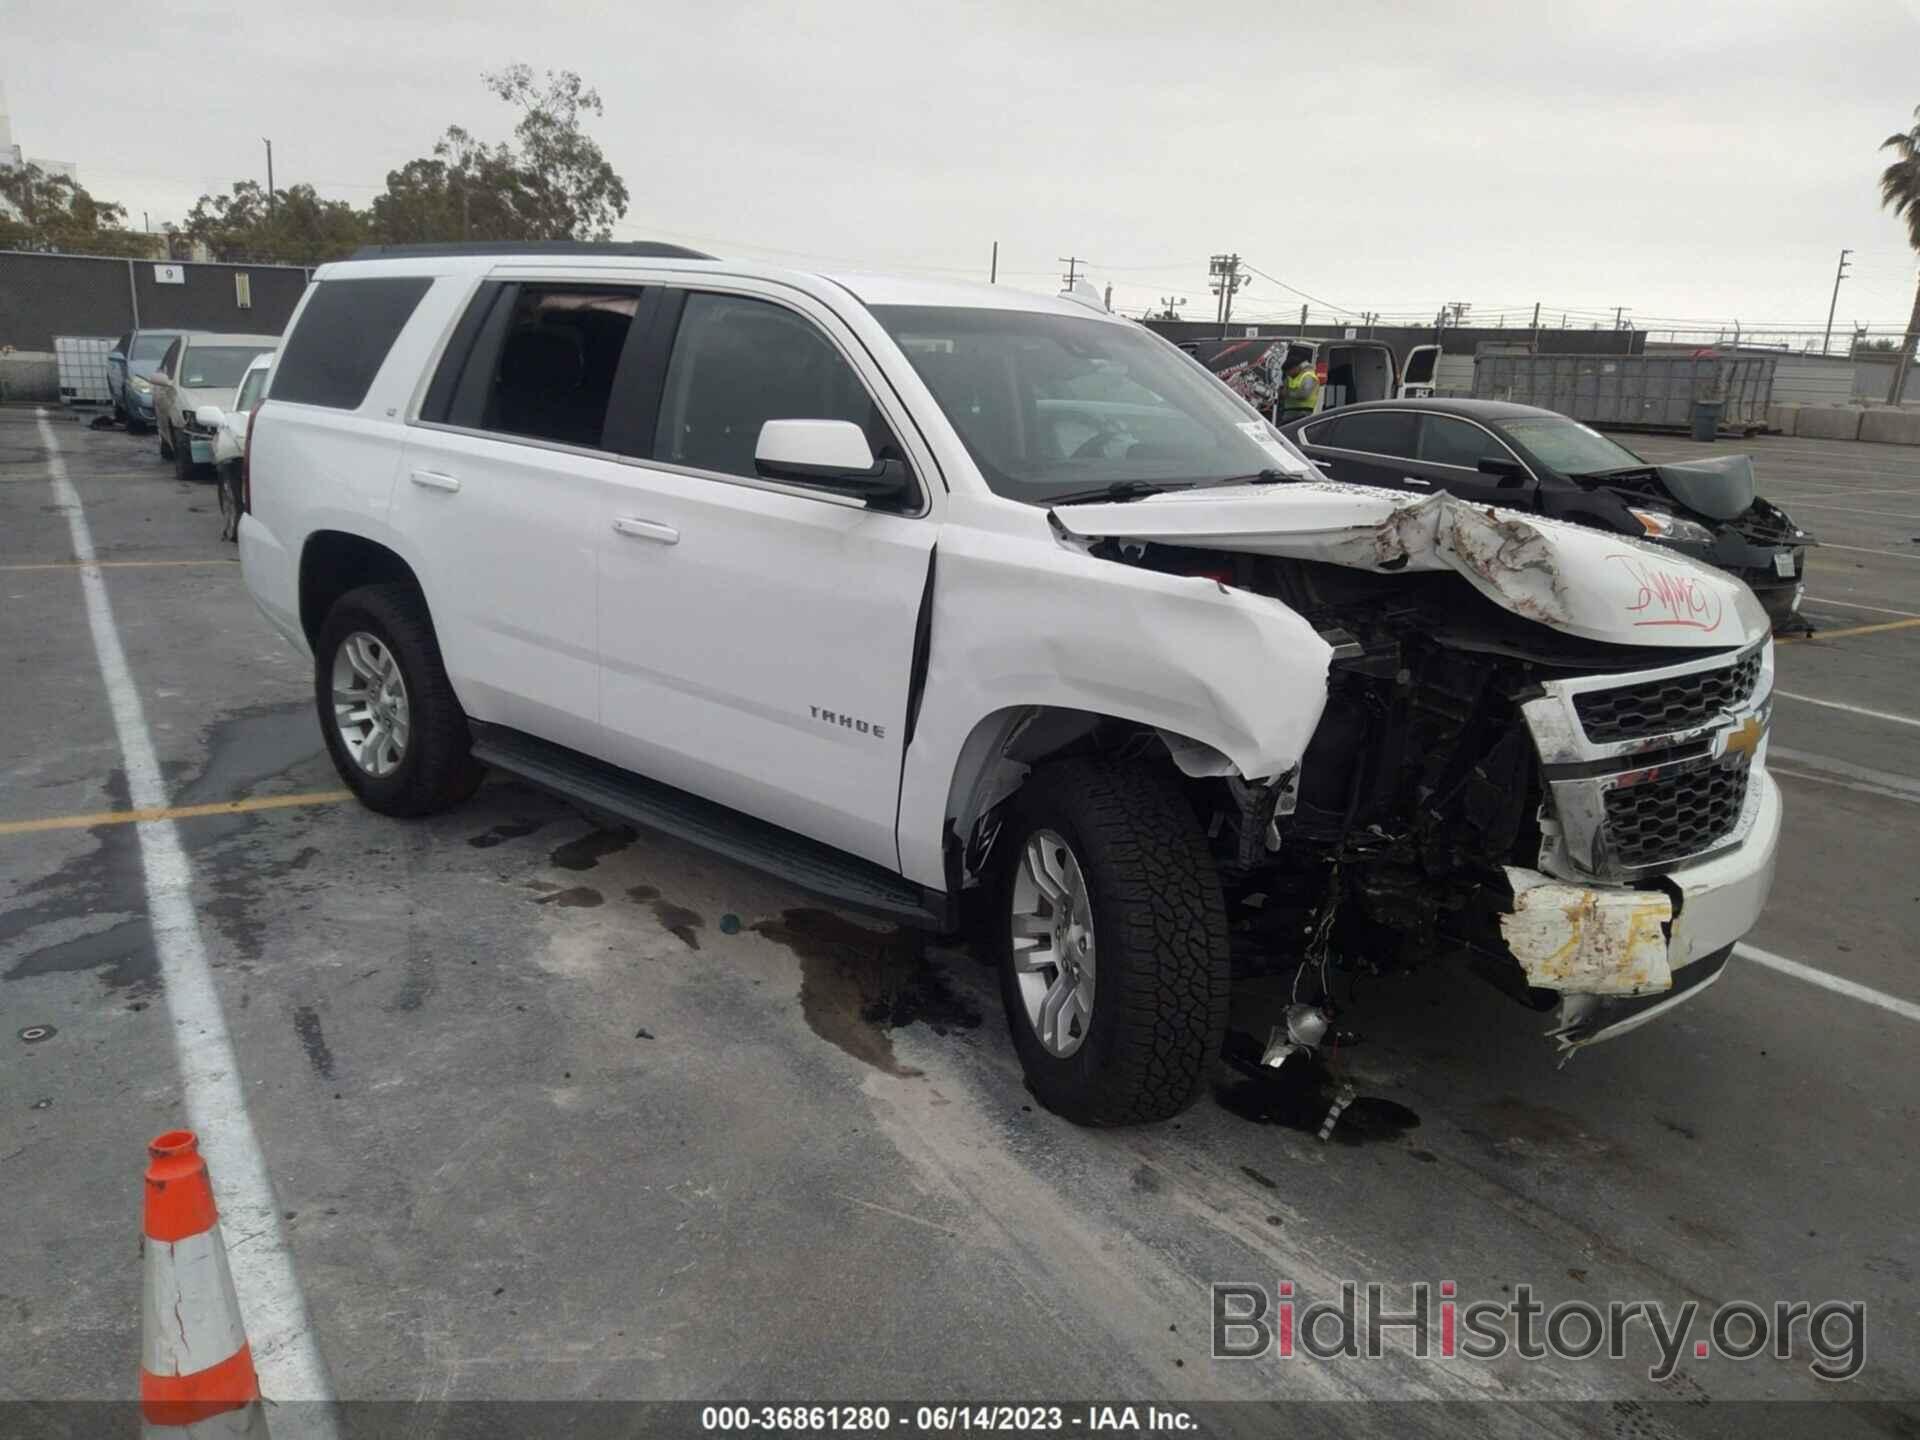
826, 872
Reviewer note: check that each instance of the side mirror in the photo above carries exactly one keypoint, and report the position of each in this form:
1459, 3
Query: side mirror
830, 454
208, 415
1511, 472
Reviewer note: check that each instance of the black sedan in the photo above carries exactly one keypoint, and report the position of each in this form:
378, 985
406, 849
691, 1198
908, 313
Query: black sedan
1524, 458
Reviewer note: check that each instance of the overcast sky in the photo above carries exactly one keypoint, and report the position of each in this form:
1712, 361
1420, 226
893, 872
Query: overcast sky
1689, 159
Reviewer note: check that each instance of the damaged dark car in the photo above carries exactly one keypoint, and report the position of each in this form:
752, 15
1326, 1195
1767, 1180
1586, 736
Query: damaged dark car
1524, 458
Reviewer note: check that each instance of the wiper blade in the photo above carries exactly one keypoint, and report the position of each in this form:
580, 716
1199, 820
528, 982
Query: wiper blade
1272, 475
1116, 491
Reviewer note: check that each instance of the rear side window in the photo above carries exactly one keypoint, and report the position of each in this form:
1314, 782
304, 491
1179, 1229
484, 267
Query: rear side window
1447, 441
557, 361
1377, 432
343, 337
738, 363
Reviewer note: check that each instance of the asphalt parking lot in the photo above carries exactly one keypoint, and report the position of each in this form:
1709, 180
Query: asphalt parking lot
555, 1110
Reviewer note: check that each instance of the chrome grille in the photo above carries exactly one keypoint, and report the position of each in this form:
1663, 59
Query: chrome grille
1676, 815
1661, 707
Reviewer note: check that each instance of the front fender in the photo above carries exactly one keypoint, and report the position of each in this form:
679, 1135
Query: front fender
1021, 620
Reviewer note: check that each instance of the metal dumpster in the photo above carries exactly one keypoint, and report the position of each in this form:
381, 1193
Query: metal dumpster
1642, 392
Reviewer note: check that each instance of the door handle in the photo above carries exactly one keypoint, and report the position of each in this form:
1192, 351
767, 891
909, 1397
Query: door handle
1415, 480
647, 530
434, 480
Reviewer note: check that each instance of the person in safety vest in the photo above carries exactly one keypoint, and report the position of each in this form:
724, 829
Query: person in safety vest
1299, 389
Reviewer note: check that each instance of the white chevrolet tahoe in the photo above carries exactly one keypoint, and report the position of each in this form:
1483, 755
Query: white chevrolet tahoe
931, 597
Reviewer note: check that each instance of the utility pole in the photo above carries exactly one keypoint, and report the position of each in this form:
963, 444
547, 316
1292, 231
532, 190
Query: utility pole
1108, 301
1618, 312
1303, 319
1073, 264
1536, 326
1226, 278
269, 144
993, 266
1838, 275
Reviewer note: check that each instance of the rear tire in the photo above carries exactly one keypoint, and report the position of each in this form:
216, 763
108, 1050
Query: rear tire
432, 768
1151, 933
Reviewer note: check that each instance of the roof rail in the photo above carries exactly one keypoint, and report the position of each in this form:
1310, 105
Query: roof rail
644, 249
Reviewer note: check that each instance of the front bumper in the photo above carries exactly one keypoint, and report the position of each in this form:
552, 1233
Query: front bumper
1607, 922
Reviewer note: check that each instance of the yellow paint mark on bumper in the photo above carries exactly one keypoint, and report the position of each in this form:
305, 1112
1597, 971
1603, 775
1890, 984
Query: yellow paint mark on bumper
1850, 631
172, 812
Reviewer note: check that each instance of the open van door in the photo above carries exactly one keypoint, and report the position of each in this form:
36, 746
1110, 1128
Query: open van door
1417, 379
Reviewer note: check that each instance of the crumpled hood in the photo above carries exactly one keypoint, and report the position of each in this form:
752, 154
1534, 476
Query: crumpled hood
1577, 580
1719, 488
220, 395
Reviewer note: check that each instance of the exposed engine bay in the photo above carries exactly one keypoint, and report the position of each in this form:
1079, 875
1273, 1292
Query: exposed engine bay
1419, 821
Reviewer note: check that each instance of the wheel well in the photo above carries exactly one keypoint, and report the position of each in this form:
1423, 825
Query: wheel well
333, 563
1005, 746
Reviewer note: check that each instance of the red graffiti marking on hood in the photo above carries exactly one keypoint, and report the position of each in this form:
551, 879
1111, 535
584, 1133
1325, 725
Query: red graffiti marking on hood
1671, 597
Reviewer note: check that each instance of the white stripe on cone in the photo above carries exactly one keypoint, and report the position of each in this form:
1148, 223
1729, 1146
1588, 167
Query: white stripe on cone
191, 1318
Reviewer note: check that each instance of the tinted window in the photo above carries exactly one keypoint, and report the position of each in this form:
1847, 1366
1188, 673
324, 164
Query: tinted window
166, 360
1378, 432
1319, 434
557, 359
218, 367
343, 337
1447, 441
739, 363
149, 348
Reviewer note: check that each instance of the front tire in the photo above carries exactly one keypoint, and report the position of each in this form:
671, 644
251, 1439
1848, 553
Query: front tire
395, 730
1114, 959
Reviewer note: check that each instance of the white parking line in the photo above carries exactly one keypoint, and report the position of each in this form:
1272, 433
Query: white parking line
1850, 709
1856, 605
1906, 1009
1868, 550
285, 1353
1858, 510
1826, 771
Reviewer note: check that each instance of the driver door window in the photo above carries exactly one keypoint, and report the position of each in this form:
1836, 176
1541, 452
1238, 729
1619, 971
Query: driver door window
738, 363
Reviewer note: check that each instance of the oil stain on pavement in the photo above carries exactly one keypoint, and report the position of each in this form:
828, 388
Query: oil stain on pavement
858, 984
587, 851
682, 923
306, 1024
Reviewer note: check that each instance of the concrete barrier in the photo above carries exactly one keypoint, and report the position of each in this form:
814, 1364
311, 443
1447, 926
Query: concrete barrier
29, 375
1890, 425
1780, 418
1827, 422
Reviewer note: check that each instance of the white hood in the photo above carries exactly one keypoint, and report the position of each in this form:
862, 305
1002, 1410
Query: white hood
1571, 578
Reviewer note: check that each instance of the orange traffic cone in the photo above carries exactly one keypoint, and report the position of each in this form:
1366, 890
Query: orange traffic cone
196, 1368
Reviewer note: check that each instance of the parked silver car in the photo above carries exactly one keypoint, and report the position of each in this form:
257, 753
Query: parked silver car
200, 368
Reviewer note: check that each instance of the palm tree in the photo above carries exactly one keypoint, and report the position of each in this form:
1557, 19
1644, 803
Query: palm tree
1900, 193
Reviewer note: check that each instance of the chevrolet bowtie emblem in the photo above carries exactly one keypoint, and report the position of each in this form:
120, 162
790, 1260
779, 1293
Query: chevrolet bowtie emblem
1746, 739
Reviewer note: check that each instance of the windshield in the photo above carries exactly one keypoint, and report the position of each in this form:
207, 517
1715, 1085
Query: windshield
215, 366
1049, 404
148, 349
1569, 447
252, 388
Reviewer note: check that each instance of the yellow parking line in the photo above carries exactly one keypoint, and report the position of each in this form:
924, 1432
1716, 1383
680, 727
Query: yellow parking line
172, 812
116, 564
1849, 631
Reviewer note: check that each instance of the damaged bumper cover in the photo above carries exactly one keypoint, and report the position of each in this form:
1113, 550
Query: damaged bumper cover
1620, 956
